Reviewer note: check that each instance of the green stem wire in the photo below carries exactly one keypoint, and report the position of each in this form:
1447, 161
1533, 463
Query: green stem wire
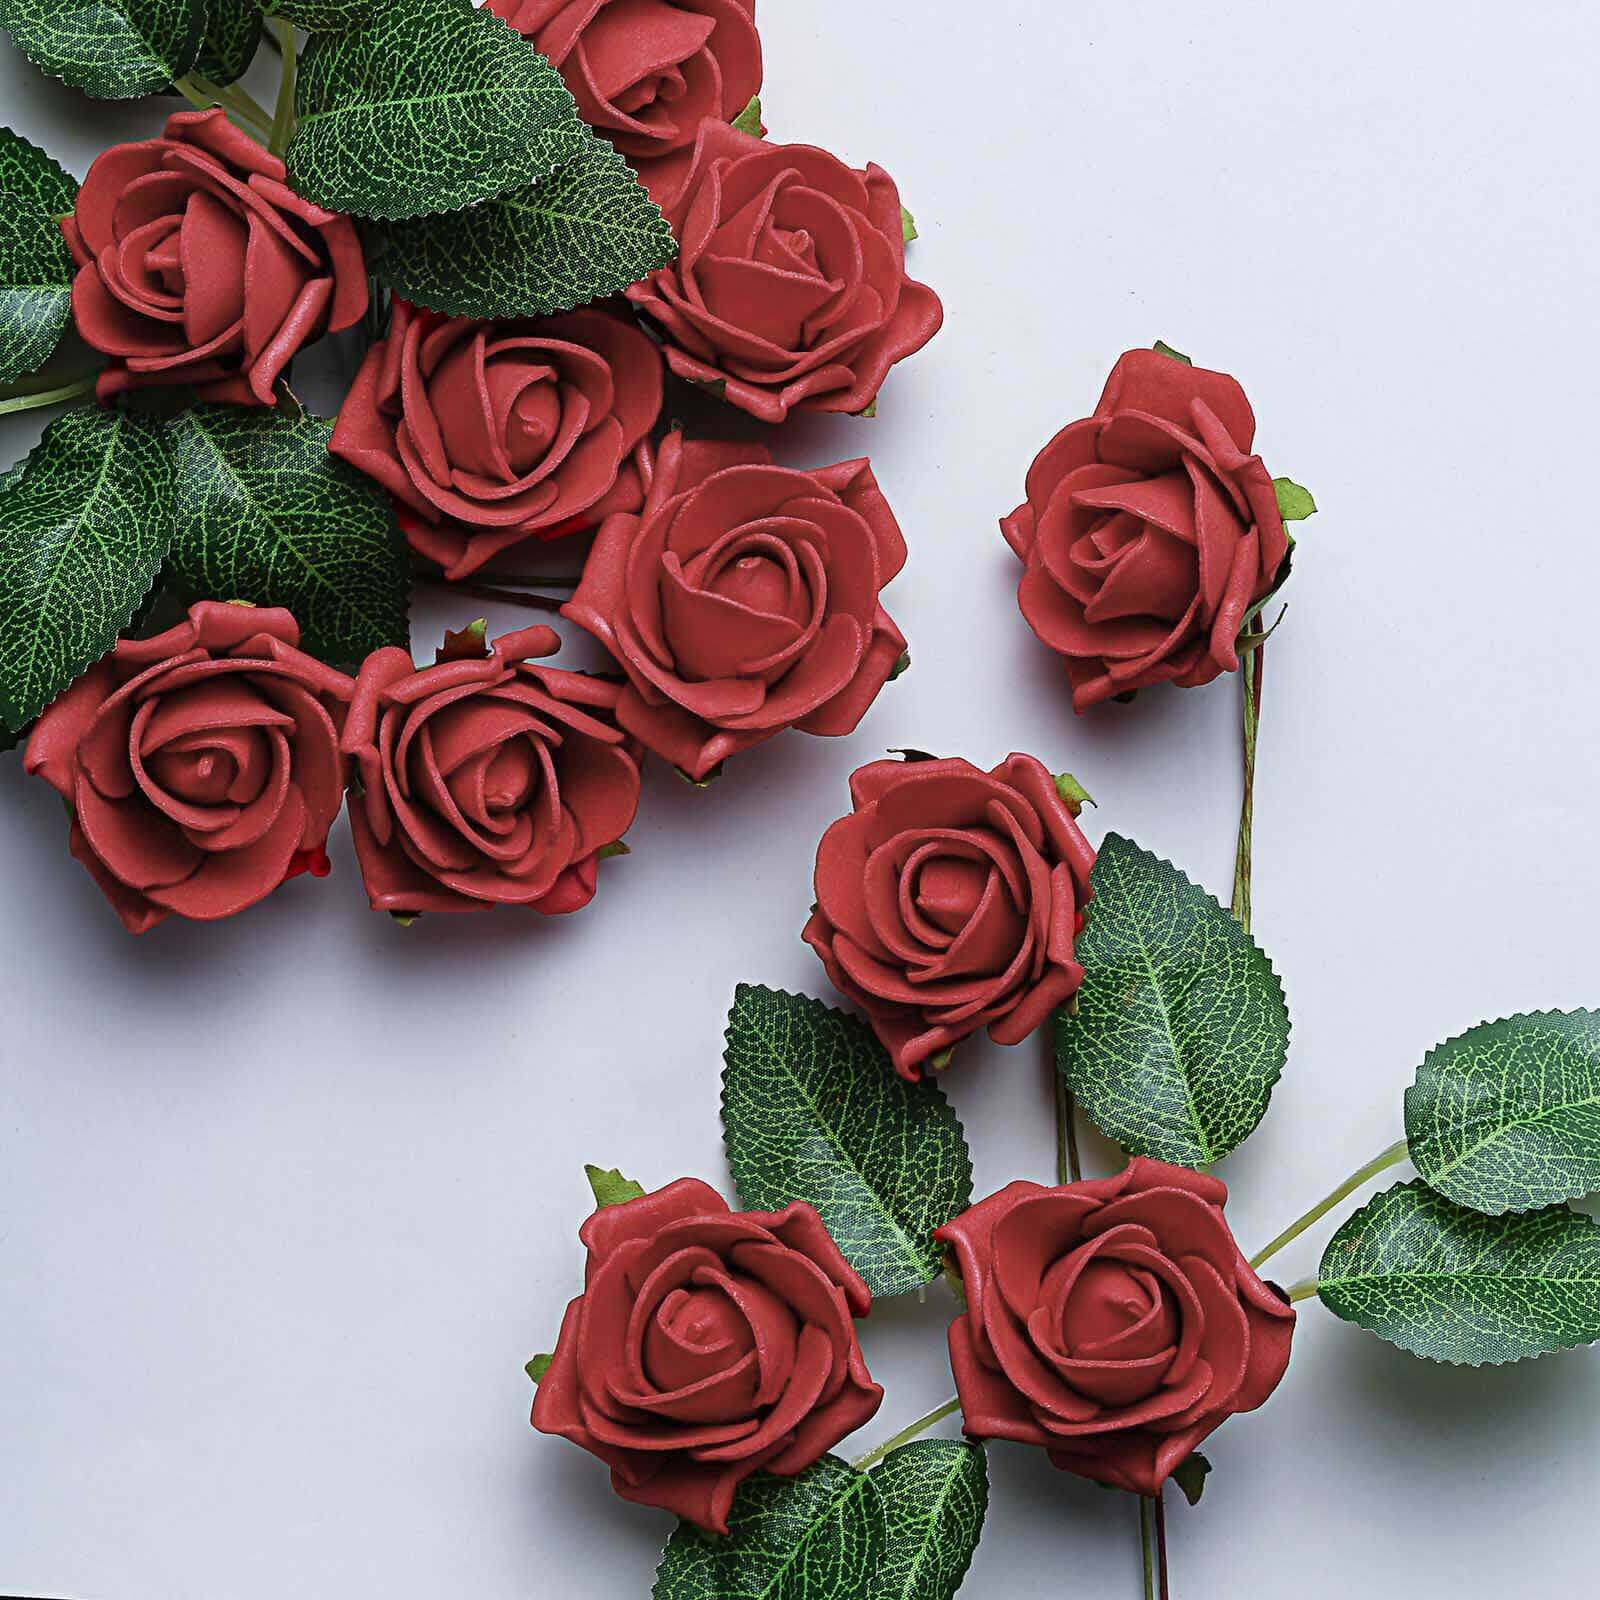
1250, 670
484, 591
202, 94
1069, 1166
47, 397
283, 111
1395, 1154
910, 1431
1146, 1544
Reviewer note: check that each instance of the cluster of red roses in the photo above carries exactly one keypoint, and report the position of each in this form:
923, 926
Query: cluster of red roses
1113, 1323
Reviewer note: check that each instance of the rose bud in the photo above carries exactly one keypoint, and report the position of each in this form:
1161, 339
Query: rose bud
197, 264
1149, 531
708, 1344
789, 290
647, 73
948, 901
491, 433
1114, 1322
743, 600
201, 766
485, 780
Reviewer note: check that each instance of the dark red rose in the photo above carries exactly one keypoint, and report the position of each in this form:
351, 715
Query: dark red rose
707, 1344
1149, 531
743, 600
647, 73
789, 290
1114, 1322
493, 432
486, 781
490, 433
948, 901
201, 766
199, 265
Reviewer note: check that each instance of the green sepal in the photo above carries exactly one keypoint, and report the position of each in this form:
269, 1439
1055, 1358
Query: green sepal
749, 120
1073, 794
1294, 503
908, 226
537, 1367
610, 1187
1190, 1475
1162, 348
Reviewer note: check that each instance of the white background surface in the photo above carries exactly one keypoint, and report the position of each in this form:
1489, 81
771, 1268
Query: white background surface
286, 1203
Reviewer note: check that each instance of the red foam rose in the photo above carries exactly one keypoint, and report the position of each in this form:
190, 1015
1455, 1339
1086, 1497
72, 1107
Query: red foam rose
708, 1344
1149, 531
486, 781
743, 599
491, 433
789, 290
202, 765
647, 73
197, 264
1113, 1322
948, 900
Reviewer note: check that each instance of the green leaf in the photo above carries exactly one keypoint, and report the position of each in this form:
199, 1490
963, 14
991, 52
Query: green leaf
581, 235
1453, 1285
1190, 1475
1181, 1029
83, 529
818, 1536
610, 1187
934, 1493
112, 49
435, 105
265, 514
908, 226
813, 1111
1506, 1116
1294, 503
540, 1365
1162, 348
35, 268
233, 30
326, 16
749, 120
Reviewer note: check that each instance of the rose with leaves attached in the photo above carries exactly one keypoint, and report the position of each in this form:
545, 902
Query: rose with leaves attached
1149, 531
647, 73
1114, 1322
486, 780
197, 264
707, 1345
201, 766
948, 900
789, 290
491, 433
743, 600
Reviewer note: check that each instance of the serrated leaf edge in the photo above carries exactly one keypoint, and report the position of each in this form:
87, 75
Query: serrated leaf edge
1427, 1066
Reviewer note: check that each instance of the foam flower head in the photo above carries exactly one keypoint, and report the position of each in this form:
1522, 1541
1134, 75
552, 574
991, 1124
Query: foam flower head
1149, 532
789, 291
491, 433
1113, 1322
201, 766
948, 901
647, 73
708, 1344
197, 264
486, 780
744, 599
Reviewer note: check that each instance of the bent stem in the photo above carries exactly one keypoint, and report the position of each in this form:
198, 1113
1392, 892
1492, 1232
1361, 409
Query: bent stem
282, 34
47, 397
1395, 1154
921, 1425
1250, 669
